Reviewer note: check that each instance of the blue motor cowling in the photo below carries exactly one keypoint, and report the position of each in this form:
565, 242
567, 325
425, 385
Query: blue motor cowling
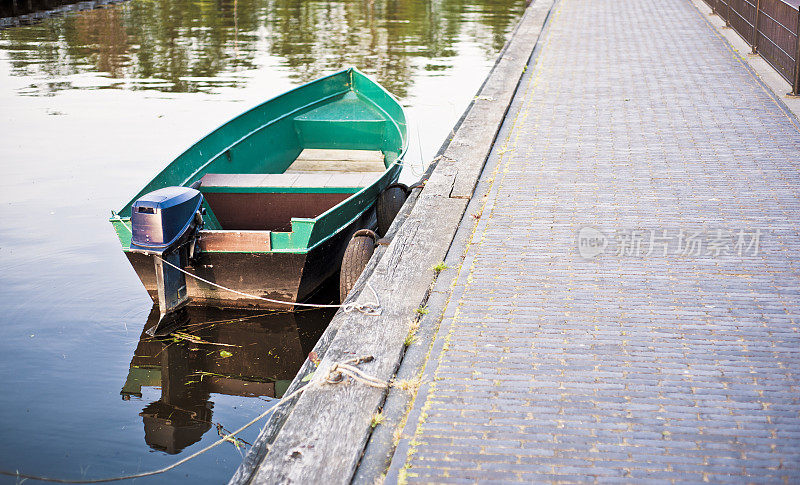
165, 224
163, 219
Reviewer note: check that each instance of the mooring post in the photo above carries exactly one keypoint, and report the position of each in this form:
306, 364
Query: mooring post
796, 83
728, 13
754, 42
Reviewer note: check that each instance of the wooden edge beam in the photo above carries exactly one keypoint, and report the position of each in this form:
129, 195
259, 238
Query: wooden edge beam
324, 435
235, 241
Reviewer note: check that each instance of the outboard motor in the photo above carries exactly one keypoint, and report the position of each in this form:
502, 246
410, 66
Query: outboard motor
165, 224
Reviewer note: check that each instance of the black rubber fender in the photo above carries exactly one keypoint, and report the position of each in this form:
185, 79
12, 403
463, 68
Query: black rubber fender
388, 206
356, 257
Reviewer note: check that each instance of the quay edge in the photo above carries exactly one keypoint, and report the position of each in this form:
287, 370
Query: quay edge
321, 435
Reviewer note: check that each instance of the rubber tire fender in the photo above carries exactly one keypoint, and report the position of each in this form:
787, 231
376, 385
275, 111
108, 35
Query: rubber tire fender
356, 257
388, 206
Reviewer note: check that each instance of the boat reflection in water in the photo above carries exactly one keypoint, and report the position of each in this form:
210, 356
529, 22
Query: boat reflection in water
228, 352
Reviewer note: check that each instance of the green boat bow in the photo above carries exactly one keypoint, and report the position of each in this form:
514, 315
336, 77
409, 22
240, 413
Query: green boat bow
345, 111
285, 184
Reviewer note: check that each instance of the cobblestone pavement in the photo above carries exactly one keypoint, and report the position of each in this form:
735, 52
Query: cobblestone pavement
671, 355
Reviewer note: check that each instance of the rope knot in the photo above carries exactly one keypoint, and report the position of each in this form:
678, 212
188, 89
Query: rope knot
340, 370
334, 376
373, 309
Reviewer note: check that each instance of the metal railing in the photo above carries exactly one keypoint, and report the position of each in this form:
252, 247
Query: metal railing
771, 27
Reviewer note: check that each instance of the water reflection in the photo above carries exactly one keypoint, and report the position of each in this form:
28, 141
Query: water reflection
233, 353
203, 45
98, 123
20, 12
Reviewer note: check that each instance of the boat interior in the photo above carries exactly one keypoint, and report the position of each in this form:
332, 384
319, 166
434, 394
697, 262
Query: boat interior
292, 165
315, 160
316, 181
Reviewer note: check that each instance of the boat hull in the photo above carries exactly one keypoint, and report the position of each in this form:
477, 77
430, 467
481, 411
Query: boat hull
287, 277
264, 170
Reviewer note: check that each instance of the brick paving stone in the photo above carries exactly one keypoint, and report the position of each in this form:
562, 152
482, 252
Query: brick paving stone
635, 365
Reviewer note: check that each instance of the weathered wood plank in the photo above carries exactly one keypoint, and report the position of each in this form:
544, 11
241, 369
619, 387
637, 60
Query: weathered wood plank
327, 451
441, 181
342, 155
318, 160
222, 240
232, 179
324, 166
274, 423
322, 179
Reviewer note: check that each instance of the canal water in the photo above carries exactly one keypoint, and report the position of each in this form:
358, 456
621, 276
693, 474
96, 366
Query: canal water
95, 98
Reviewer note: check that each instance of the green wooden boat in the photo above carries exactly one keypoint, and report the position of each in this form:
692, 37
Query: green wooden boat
285, 185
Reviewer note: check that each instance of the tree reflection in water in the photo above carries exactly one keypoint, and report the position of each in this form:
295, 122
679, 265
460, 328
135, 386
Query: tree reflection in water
201, 45
243, 354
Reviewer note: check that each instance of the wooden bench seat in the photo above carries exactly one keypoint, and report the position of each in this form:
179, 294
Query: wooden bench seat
288, 182
345, 161
316, 181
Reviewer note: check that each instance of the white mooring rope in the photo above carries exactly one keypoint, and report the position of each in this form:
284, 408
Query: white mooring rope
335, 375
225, 438
339, 370
365, 308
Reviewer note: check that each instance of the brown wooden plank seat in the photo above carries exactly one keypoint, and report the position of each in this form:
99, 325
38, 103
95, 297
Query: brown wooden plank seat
245, 241
316, 181
306, 182
345, 161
